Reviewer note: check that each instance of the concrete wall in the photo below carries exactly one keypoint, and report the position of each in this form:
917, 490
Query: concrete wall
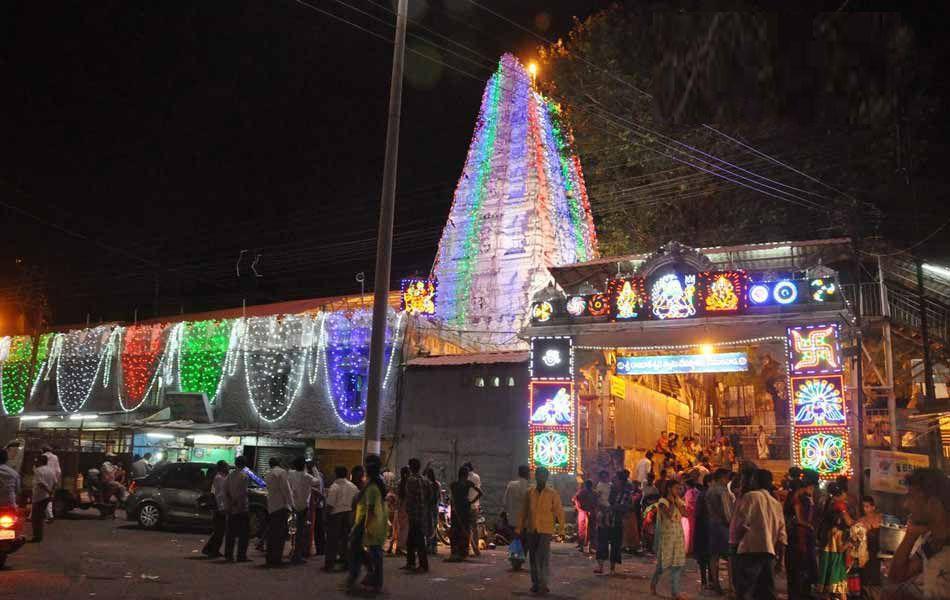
444, 418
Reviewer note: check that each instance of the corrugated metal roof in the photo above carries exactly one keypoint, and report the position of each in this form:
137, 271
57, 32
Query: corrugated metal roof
487, 358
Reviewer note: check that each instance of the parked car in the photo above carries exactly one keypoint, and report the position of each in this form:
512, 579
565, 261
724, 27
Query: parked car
180, 494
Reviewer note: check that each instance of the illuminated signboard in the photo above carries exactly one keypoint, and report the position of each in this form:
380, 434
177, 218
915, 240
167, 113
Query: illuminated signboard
726, 362
552, 403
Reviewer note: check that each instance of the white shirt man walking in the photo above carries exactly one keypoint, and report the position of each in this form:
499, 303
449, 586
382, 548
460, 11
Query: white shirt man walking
53, 462
279, 505
44, 482
340, 497
515, 491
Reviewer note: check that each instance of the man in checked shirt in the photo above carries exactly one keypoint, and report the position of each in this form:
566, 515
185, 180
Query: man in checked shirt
418, 493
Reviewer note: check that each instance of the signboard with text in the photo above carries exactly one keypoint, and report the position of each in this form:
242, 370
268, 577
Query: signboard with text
726, 362
889, 470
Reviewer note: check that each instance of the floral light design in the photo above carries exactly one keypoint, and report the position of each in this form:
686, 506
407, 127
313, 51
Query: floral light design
818, 401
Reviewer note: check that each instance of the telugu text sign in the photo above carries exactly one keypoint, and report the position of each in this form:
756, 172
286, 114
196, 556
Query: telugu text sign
726, 362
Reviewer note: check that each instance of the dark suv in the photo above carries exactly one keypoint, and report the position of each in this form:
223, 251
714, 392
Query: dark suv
180, 494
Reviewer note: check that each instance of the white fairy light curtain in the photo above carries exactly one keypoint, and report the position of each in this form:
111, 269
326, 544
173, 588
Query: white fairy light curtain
79, 361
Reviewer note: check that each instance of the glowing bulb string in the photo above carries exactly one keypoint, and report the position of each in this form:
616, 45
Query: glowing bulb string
79, 362
15, 366
275, 359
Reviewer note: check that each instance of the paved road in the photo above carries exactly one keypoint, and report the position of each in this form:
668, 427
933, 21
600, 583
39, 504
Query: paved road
83, 557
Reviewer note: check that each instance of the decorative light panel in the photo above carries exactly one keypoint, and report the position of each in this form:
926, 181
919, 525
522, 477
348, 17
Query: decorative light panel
15, 372
576, 306
785, 292
552, 358
813, 349
418, 296
823, 290
552, 403
723, 292
627, 299
827, 451
672, 297
599, 305
552, 448
542, 311
760, 293
818, 400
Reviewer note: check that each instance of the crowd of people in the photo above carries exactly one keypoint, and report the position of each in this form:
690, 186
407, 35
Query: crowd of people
742, 529
738, 525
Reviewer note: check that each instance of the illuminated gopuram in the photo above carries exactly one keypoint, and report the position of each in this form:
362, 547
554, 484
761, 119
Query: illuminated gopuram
520, 207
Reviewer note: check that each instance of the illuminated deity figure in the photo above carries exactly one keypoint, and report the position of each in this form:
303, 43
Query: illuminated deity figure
818, 402
722, 295
671, 300
419, 298
814, 349
551, 449
554, 411
628, 303
823, 452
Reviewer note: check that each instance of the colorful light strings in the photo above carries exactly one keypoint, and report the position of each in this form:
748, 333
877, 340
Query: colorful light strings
16, 354
520, 207
80, 358
203, 349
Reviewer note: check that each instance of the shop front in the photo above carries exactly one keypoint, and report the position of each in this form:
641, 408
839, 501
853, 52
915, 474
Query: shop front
732, 361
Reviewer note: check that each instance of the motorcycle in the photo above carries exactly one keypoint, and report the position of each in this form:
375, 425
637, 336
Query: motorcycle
11, 532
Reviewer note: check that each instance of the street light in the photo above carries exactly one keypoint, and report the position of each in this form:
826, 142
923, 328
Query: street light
533, 70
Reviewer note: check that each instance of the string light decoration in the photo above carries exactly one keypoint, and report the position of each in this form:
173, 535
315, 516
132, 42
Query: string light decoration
672, 297
276, 351
520, 207
823, 290
16, 353
418, 296
79, 361
345, 346
727, 344
826, 451
814, 349
576, 306
203, 348
47, 351
542, 311
552, 448
142, 348
599, 305
723, 292
818, 400
627, 298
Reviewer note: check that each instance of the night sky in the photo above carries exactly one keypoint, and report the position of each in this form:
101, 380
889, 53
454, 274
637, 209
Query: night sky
151, 142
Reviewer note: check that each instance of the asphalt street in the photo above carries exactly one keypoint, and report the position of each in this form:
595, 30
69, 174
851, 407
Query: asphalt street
84, 557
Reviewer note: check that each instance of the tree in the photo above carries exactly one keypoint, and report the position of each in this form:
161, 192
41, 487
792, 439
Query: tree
823, 92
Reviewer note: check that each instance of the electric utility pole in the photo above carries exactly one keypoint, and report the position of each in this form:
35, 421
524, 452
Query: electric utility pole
384, 244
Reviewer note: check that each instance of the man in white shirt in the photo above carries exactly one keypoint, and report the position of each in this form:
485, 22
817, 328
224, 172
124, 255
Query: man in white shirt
473, 497
515, 492
219, 520
644, 466
760, 530
340, 497
44, 482
53, 462
279, 505
302, 484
